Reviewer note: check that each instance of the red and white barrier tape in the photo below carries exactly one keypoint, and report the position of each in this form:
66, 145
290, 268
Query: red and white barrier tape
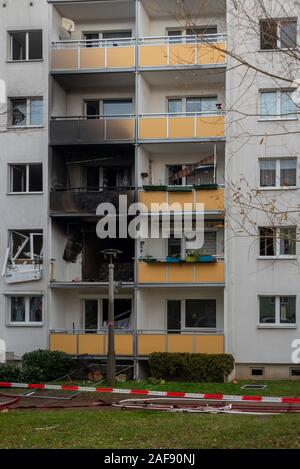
145, 392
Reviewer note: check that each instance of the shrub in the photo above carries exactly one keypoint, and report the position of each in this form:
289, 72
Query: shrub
44, 365
191, 366
10, 373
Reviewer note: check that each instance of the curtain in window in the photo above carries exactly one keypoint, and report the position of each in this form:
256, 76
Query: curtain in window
268, 173
288, 241
36, 112
174, 106
288, 172
288, 105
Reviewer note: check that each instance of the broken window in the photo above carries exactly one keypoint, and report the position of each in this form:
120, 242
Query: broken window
26, 45
26, 177
24, 256
26, 112
25, 309
74, 243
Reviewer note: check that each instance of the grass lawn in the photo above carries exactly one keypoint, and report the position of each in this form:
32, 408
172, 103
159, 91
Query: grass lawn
136, 429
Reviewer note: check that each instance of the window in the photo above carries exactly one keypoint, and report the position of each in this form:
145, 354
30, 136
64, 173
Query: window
175, 36
198, 32
281, 172
92, 109
277, 241
204, 104
257, 371
200, 313
117, 107
278, 105
278, 33
25, 178
96, 314
277, 310
93, 39
26, 45
26, 245
174, 247
26, 112
173, 315
25, 310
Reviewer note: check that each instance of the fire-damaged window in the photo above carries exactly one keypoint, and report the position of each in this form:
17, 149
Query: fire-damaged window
24, 256
96, 314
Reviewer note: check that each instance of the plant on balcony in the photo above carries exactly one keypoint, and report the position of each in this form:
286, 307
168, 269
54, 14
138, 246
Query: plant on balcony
149, 259
178, 188
199, 187
173, 259
192, 256
155, 188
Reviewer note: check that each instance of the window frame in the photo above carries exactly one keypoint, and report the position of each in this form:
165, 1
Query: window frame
101, 102
184, 327
278, 185
278, 116
27, 45
184, 99
27, 179
28, 113
99, 300
279, 22
277, 323
277, 254
27, 296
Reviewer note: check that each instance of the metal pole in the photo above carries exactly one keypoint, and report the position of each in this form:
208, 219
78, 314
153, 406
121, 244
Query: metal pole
111, 356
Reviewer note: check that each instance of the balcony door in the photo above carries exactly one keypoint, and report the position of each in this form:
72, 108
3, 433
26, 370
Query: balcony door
173, 316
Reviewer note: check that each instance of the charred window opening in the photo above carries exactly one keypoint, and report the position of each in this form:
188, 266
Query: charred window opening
74, 243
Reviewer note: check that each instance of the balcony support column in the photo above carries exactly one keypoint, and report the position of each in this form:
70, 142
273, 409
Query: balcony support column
111, 356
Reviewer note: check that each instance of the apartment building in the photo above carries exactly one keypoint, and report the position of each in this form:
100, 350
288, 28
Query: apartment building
126, 97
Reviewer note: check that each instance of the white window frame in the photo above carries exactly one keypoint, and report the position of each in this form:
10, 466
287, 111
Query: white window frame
101, 105
277, 323
27, 178
279, 116
184, 102
30, 238
27, 322
27, 59
277, 176
277, 244
28, 112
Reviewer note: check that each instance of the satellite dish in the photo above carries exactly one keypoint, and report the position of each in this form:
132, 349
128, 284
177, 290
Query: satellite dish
68, 25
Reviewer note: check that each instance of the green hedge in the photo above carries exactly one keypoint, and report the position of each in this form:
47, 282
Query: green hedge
38, 366
191, 366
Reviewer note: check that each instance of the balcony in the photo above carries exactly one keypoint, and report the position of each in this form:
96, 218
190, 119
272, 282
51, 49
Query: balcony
212, 197
182, 51
159, 272
83, 201
93, 55
141, 343
81, 129
181, 126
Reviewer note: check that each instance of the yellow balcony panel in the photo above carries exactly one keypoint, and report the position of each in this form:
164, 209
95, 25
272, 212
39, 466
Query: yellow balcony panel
120, 57
119, 129
150, 343
153, 128
181, 273
210, 273
181, 127
152, 273
211, 54
210, 344
182, 54
153, 56
213, 199
91, 344
64, 59
180, 343
92, 58
149, 198
124, 344
64, 343
181, 198
210, 126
